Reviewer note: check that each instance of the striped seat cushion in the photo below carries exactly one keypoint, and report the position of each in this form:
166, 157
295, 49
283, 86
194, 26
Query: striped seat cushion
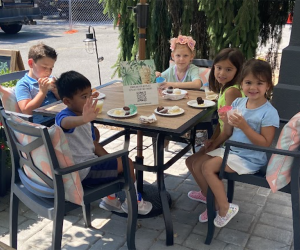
72, 183
279, 166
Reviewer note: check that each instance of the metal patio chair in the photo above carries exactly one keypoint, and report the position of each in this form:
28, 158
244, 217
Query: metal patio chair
48, 198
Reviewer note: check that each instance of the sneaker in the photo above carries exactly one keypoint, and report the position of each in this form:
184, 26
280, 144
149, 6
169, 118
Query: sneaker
110, 204
197, 196
144, 207
222, 221
203, 217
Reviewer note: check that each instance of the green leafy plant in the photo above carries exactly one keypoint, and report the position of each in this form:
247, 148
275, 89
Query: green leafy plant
9, 83
3, 143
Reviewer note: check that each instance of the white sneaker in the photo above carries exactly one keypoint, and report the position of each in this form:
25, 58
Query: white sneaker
144, 207
111, 205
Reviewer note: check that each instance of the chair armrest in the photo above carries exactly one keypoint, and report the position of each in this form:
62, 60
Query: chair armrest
83, 165
12, 76
21, 115
230, 143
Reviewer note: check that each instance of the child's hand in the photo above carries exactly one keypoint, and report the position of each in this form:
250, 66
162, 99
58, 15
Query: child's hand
43, 84
164, 85
208, 145
237, 121
222, 113
54, 89
157, 74
223, 116
89, 111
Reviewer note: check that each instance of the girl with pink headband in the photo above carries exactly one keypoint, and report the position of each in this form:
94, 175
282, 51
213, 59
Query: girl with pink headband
183, 74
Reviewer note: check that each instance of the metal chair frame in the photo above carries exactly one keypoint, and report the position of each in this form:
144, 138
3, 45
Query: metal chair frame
258, 179
56, 207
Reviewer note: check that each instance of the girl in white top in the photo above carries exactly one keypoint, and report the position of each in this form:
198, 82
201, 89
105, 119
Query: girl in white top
256, 125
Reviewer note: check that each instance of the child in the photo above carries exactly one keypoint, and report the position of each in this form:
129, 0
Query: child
75, 91
222, 79
256, 125
37, 88
183, 74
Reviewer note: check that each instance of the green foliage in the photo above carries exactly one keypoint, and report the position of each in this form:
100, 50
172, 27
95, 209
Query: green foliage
214, 24
167, 19
10, 83
232, 24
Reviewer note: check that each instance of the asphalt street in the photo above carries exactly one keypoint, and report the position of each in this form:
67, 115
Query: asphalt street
70, 47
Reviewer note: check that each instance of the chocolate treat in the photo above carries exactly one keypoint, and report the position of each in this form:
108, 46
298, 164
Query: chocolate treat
159, 108
127, 112
170, 90
200, 100
164, 111
125, 108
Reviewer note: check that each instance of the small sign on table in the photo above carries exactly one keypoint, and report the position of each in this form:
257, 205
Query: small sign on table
139, 84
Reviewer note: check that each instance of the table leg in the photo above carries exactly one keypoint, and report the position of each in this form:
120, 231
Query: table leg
139, 174
159, 161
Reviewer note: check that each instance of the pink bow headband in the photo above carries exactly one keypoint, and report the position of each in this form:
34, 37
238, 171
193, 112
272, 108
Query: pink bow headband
183, 40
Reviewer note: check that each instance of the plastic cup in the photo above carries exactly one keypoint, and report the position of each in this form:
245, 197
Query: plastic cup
233, 111
159, 80
100, 105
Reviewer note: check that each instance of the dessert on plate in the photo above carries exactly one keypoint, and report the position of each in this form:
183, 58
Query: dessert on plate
174, 110
170, 90
162, 110
126, 110
177, 91
119, 112
199, 100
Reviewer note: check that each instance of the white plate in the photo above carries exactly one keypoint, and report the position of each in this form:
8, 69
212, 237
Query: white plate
174, 96
168, 114
100, 96
111, 113
206, 104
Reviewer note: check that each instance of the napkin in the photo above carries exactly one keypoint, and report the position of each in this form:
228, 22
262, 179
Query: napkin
148, 119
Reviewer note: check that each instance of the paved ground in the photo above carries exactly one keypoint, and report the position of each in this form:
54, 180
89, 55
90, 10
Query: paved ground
264, 221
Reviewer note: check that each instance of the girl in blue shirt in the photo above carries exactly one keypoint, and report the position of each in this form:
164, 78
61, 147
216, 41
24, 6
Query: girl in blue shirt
256, 125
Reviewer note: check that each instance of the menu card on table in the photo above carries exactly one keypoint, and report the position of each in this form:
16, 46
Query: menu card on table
139, 85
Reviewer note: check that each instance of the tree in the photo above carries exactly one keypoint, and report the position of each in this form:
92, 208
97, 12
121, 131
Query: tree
214, 24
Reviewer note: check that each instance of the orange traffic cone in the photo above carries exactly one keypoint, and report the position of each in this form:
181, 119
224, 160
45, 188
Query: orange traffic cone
290, 18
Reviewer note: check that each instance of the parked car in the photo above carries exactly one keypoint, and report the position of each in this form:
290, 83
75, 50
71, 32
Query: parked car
15, 13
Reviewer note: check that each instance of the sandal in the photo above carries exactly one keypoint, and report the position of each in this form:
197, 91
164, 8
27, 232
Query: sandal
222, 221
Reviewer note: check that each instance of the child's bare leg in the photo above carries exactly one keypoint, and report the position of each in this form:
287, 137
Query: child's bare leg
189, 161
197, 172
131, 168
210, 170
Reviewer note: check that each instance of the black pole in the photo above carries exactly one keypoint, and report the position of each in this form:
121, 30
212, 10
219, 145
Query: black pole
287, 91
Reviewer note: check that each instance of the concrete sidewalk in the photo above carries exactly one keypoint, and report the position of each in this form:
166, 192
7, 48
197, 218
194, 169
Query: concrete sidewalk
264, 221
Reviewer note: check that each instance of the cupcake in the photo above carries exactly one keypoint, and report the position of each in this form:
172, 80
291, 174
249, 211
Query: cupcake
126, 110
199, 100
170, 90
